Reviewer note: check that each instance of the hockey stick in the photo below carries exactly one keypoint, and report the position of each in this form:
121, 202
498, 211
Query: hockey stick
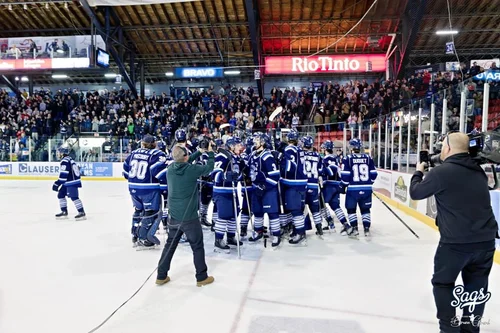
400, 219
275, 113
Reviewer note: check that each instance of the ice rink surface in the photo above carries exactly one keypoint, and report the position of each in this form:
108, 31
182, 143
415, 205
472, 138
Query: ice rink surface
68, 276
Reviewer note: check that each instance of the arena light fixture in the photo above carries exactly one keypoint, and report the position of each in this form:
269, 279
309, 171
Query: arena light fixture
59, 76
232, 72
446, 32
110, 75
169, 74
25, 79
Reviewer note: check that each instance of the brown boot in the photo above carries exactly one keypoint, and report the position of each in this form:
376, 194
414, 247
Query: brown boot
208, 280
162, 282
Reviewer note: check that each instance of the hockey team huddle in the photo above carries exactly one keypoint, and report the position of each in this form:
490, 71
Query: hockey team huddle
288, 181
279, 180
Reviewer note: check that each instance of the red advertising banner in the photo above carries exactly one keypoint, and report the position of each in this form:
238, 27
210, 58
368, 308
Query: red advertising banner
349, 63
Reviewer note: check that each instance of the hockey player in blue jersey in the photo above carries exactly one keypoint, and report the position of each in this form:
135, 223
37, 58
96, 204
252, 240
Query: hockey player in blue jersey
145, 169
246, 189
313, 168
206, 186
293, 186
332, 187
226, 175
358, 175
265, 175
160, 145
67, 185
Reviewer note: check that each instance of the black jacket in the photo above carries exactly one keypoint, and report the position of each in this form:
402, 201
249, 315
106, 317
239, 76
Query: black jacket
460, 186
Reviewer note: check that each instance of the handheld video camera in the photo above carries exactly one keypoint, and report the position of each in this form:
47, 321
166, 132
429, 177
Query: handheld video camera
484, 149
205, 143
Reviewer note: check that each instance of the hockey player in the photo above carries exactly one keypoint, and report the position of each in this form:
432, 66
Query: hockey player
332, 188
160, 145
313, 168
294, 184
246, 186
226, 174
265, 175
358, 175
67, 185
181, 139
145, 169
206, 188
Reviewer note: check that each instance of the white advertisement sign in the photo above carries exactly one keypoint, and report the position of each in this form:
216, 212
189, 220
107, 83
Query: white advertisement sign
486, 63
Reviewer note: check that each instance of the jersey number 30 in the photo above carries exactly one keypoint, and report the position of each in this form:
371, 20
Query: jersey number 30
138, 169
360, 172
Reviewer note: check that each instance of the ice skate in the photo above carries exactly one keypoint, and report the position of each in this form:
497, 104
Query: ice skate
319, 230
143, 245
346, 230
183, 239
354, 233
298, 239
220, 246
243, 232
204, 222
367, 232
276, 242
81, 216
232, 241
256, 236
62, 216
134, 241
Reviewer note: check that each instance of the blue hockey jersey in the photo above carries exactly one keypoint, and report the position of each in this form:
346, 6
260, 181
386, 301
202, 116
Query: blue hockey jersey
292, 167
222, 165
69, 173
313, 168
331, 170
263, 169
358, 172
145, 169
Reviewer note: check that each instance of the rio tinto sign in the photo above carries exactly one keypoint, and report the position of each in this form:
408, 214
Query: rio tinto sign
355, 63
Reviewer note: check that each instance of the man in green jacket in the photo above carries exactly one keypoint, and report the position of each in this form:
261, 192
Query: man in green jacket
182, 177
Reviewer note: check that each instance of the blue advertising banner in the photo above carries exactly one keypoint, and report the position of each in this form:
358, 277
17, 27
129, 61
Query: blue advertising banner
96, 169
198, 72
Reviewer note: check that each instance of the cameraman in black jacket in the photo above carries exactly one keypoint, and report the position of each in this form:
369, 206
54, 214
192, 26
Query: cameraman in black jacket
467, 227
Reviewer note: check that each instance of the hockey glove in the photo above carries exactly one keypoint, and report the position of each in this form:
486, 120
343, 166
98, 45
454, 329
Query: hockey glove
342, 189
232, 176
56, 187
260, 189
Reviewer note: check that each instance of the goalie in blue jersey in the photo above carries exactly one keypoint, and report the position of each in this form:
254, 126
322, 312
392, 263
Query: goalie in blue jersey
145, 169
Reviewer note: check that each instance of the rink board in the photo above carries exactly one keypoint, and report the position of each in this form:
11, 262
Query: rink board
391, 186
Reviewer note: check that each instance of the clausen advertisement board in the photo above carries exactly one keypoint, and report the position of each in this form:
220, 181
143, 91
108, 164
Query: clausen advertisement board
354, 63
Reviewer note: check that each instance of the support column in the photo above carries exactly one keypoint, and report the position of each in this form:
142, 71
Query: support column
444, 126
463, 99
379, 149
486, 105
30, 85
142, 80
431, 135
408, 146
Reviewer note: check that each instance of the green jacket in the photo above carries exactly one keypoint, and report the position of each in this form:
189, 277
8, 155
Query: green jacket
182, 181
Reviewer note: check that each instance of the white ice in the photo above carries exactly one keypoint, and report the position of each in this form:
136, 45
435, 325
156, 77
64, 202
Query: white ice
68, 276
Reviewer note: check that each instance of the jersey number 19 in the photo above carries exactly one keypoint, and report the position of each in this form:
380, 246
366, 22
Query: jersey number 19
360, 172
